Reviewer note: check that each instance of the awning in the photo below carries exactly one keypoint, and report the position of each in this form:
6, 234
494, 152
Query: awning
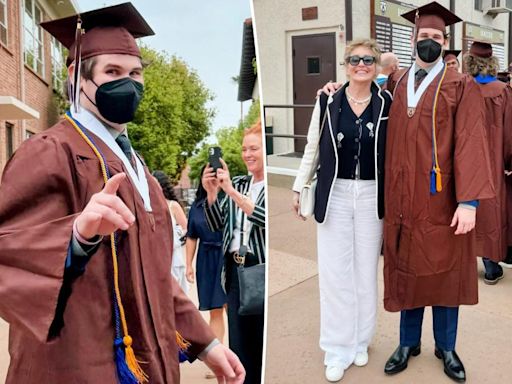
247, 78
13, 109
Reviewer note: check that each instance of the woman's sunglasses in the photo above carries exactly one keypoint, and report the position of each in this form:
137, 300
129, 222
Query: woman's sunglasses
355, 60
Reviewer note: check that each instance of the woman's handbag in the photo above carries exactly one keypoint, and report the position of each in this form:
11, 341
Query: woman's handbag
307, 198
252, 289
251, 280
307, 193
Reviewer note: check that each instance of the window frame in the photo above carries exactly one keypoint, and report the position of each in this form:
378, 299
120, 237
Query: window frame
35, 44
57, 72
3, 3
9, 139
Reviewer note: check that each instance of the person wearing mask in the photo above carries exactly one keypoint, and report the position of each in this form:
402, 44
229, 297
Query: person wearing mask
240, 215
349, 205
87, 231
491, 224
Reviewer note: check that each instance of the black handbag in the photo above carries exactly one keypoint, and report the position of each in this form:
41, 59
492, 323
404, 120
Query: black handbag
251, 281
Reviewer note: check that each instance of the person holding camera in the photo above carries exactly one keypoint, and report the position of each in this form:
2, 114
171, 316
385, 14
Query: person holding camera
347, 134
240, 214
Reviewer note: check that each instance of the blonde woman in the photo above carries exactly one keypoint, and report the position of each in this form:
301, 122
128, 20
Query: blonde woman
348, 206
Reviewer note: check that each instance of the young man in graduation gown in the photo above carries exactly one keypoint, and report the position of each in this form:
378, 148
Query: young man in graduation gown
79, 312
437, 171
491, 224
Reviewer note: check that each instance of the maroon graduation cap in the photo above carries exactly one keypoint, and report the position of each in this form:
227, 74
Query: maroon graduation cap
110, 30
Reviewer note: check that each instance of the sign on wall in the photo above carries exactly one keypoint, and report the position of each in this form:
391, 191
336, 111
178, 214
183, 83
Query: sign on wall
391, 31
496, 37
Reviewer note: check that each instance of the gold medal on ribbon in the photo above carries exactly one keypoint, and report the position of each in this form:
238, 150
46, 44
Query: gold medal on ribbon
410, 111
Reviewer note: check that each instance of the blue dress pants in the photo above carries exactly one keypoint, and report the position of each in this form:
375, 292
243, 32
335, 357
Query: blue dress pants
445, 321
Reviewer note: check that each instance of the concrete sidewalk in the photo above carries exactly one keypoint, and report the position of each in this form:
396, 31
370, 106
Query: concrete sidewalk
293, 356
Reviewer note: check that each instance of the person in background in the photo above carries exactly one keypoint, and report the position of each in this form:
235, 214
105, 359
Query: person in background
349, 206
239, 213
491, 224
389, 63
209, 264
451, 60
179, 225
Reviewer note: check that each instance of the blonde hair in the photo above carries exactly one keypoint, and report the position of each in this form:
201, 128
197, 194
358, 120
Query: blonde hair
481, 66
366, 43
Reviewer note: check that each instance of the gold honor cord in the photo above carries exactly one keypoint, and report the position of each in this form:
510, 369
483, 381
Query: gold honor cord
437, 168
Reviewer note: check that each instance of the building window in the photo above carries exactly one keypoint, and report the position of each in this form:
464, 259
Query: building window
28, 134
313, 65
34, 49
478, 5
57, 65
3, 22
9, 139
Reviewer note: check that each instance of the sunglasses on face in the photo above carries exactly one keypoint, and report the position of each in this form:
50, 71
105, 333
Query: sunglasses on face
355, 60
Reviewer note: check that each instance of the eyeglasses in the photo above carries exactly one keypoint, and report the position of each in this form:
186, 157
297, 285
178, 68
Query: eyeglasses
355, 60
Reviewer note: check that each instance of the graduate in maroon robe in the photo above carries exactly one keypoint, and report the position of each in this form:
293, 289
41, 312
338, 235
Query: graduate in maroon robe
84, 306
437, 170
491, 223
450, 57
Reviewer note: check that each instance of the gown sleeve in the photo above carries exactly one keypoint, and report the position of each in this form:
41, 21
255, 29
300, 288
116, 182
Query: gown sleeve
472, 167
37, 210
190, 324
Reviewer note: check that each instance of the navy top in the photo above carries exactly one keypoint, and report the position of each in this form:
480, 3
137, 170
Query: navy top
355, 139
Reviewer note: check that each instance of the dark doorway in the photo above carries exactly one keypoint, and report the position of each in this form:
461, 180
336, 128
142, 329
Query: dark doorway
314, 64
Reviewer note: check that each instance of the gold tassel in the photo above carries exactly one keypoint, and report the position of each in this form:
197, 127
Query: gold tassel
182, 343
439, 184
132, 361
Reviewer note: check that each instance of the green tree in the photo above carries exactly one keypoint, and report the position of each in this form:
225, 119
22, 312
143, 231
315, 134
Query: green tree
173, 116
230, 140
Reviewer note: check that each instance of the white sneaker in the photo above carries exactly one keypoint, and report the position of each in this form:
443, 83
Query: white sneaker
333, 373
361, 359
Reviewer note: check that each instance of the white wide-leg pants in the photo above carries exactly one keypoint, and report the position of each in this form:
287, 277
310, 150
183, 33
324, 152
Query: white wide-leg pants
349, 245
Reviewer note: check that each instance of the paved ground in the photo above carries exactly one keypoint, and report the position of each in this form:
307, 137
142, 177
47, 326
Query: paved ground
293, 355
190, 373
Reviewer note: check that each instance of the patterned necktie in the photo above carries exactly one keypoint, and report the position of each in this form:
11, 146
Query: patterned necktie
124, 142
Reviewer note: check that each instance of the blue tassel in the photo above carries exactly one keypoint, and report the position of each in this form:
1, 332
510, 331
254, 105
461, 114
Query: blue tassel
433, 189
182, 356
123, 372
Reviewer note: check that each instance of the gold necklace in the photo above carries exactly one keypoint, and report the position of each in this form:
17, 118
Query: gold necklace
356, 101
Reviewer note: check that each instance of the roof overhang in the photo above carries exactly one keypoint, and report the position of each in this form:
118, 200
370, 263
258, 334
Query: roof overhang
13, 109
247, 77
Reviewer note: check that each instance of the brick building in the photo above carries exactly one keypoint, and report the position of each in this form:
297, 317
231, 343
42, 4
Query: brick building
31, 62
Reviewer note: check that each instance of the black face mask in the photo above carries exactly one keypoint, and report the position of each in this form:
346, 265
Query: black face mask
428, 50
118, 100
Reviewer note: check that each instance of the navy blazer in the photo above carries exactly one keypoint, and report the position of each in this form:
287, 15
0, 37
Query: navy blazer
328, 152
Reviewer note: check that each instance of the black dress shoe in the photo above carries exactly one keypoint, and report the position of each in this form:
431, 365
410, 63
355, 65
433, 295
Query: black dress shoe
453, 367
398, 360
